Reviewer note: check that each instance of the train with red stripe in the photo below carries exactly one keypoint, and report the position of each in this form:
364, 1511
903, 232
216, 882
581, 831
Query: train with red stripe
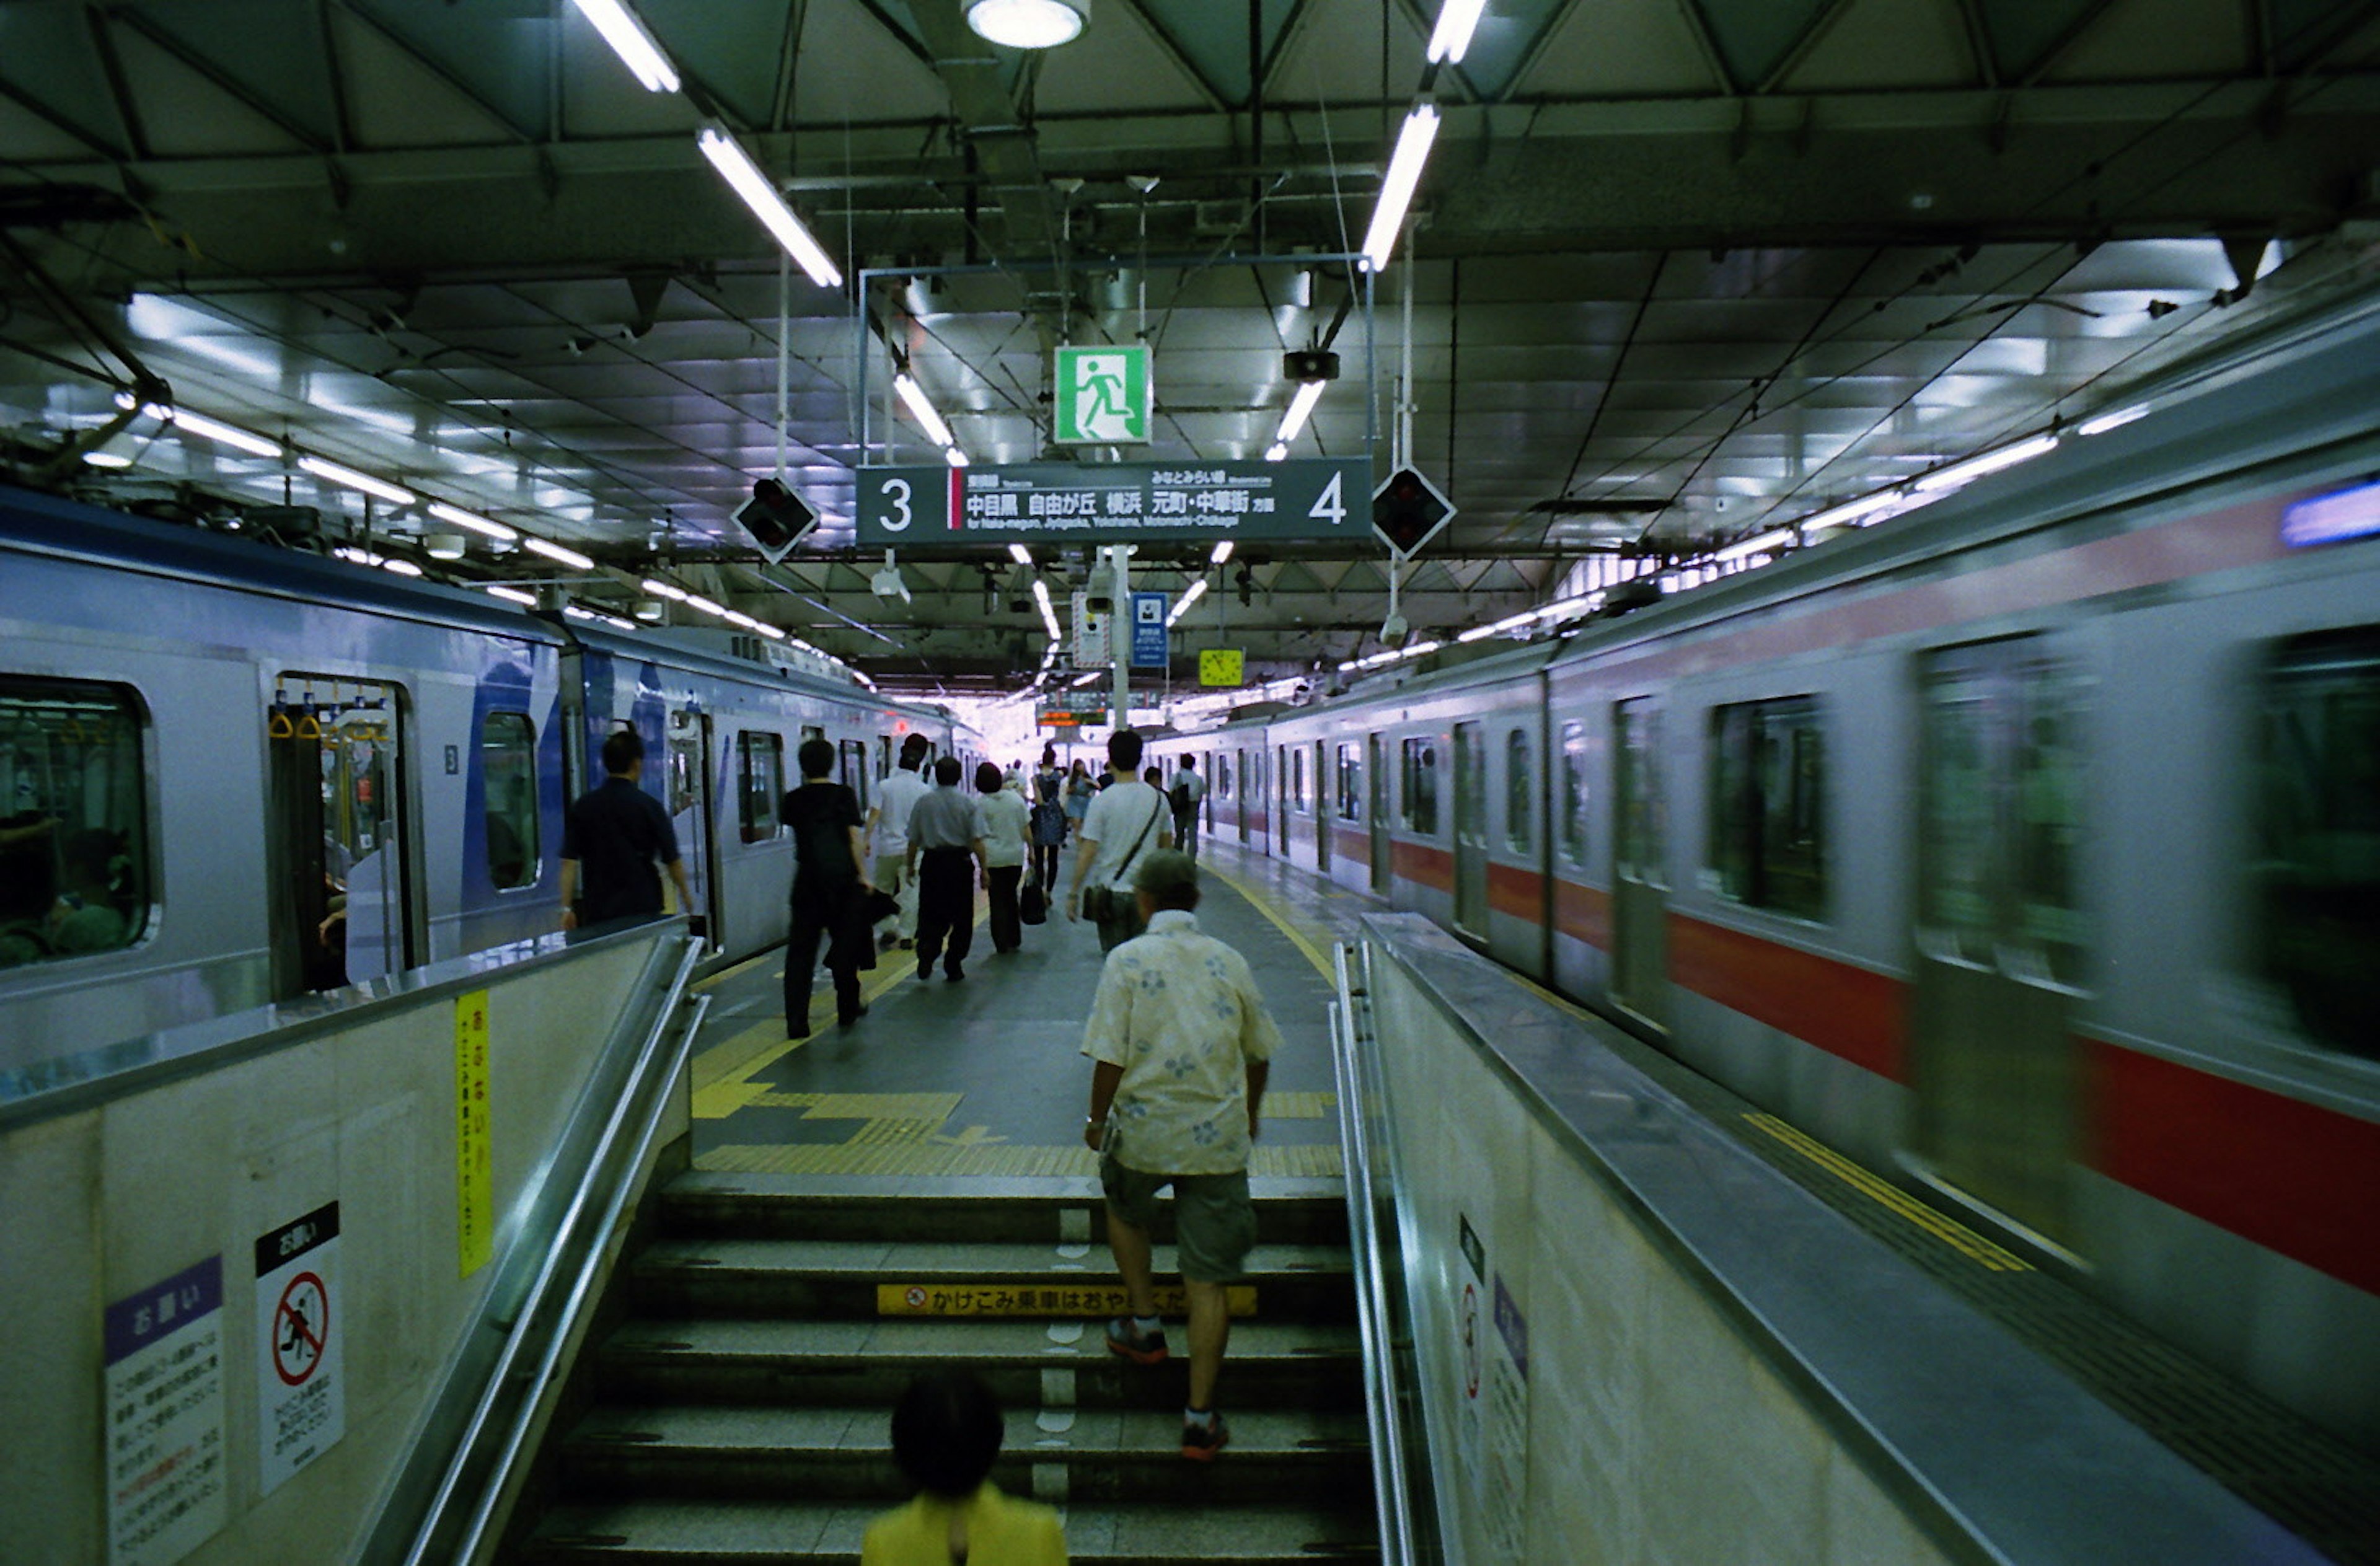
2026, 848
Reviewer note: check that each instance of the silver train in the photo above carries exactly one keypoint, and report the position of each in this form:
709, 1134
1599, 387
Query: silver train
2026, 849
231, 774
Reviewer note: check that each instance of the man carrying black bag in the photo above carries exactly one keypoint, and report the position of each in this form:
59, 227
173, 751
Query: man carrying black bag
1127, 819
830, 894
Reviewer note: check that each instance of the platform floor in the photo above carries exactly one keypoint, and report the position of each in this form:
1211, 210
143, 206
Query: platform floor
986, 1077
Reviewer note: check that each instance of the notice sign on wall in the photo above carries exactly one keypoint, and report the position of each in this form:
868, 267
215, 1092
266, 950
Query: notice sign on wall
475, 1196
302, 1405
165, 1428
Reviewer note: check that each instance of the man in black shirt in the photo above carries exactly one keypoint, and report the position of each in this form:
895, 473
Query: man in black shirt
618, 832
830, 845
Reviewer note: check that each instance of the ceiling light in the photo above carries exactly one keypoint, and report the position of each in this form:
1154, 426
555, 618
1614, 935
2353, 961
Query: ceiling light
552, 551
189, 423
1276, 451
955, 456
1419, 649
775, 635
696, 601
1081, 680
355, 480
1852, 511
514, 594
1049, 614
1452, 34
1477, 632
1222, 552
649, 609
445, 546
1183, 604
1397, 185
663, 590
736, 165
1762, 543
106, 459
1028, 24
635, 47
1020, 554
923, 410
471, 521
402, 567
2116, 420
1301, 408
1990, 462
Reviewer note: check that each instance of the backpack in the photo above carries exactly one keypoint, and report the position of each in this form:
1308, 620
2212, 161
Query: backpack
1181, 797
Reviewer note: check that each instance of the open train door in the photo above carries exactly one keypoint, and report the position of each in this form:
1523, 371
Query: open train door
340, 851
1997, 933
689, 809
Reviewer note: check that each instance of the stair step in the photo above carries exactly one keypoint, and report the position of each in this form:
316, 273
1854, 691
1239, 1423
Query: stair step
883, 1209
847, 1453
763, 1360
763, 1533
840, 1279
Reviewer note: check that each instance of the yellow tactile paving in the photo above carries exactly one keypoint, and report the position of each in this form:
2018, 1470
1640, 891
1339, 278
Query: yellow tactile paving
932, 1107
1964, 1240
1300, 1106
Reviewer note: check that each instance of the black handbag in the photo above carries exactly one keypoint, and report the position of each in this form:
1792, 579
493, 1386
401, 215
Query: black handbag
1033, 903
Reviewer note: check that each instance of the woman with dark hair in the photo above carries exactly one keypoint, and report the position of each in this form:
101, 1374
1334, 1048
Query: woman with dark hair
946, 1431
1001, 818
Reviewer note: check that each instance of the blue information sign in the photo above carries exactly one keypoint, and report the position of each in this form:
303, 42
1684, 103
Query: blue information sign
1148, 630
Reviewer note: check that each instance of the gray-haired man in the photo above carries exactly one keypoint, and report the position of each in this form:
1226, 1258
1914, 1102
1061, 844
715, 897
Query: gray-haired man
1183, 1047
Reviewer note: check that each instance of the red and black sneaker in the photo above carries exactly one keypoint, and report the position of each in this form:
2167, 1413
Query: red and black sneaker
1126, 1339
1202, 1438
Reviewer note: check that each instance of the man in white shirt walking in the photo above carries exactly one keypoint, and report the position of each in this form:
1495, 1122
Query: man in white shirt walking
1189, 789
1183, 1047
888, 824
1127, 821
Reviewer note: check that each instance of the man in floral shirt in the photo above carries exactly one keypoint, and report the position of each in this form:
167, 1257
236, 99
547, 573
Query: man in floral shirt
1184, 1046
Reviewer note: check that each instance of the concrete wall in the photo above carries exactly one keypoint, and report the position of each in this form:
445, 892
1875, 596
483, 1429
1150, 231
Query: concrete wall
1608, 1411
105, 1201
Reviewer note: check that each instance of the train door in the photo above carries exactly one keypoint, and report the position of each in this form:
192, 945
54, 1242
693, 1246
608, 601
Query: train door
1284, 796
689, 806
1470, 830
1375, 752
1640, 867
1998, 935
340, 855
1248, 805
1324, 829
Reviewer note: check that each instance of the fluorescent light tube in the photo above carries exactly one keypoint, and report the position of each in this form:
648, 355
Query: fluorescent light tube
1477, 632
659, 589
1301, 408
1419, 649
1852, 511
1760, 543
2116, 420
214, 430
955, 456
471, 521
1452, 34
1020, 554
552, 551
515, 595
402, 567
736, 165
922, 409
1222, 552
1990, 462
1276, 451
355, 480
693, 601
635, 46
1182, 604
1397, 185
106, 459
1049, 614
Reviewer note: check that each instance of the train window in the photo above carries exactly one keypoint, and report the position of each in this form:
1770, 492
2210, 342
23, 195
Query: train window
1767, 846
761, 771
1641, 853
1419, 790
74, 861
508, 776
1520, 792
2317, 871
1573, 773
1297, 780
1222, 775
1350, 784
855, 769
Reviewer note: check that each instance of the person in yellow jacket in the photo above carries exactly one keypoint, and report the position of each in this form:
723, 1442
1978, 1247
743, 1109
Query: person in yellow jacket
946, 1431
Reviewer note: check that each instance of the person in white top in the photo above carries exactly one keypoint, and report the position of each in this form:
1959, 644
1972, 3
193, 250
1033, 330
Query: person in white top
1183, 1048
999, 817
1188, 789
888, 825
1127, 820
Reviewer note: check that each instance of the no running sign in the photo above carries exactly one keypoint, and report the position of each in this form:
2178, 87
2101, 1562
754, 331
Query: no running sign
302, 1406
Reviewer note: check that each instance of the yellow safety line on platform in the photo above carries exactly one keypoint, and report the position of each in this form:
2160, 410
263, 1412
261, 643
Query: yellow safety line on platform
1263, 906
1965, 1241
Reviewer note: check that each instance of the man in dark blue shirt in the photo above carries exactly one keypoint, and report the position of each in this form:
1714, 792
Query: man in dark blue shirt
617, 832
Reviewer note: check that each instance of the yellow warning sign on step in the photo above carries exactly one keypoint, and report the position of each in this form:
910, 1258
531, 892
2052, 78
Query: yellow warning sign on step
1039, 1299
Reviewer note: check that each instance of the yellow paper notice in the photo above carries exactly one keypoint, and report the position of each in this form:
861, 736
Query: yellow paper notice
475, 1197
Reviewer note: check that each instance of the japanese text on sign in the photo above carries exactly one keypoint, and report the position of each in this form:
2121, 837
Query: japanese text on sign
475, 1199
1026, 1299
166, 1493
1112, 503
301, 1400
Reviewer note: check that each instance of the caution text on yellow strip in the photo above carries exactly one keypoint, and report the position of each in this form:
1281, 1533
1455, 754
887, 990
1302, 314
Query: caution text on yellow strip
1034, 1300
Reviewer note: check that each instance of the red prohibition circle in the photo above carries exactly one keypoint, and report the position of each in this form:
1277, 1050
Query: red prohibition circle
317, 1335
1470, 1341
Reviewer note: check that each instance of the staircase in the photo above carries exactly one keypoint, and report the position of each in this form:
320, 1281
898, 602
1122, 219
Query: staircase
739, 1410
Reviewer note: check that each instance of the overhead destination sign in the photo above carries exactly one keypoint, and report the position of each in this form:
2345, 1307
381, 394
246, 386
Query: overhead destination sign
1113, 503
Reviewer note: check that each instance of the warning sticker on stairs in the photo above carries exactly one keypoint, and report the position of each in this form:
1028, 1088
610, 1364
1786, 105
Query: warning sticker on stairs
1025, 1299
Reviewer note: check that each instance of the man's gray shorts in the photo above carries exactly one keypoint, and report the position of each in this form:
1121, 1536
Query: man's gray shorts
1214, 1221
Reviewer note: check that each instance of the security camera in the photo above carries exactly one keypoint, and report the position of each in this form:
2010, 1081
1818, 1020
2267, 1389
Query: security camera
887, 583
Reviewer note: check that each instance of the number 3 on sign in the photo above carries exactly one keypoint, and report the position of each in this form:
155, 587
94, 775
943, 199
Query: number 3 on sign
897, 494
1330, 505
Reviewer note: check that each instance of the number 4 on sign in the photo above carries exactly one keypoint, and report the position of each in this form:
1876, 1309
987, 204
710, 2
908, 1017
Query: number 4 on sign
1330, 505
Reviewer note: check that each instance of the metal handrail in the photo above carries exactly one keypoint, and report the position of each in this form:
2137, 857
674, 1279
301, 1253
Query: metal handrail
1390, 1497
638, 1110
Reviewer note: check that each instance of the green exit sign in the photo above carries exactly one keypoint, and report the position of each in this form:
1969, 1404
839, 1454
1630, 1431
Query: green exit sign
1100, 396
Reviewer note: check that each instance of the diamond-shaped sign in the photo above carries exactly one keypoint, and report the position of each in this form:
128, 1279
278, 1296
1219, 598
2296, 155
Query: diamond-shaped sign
1408, 510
